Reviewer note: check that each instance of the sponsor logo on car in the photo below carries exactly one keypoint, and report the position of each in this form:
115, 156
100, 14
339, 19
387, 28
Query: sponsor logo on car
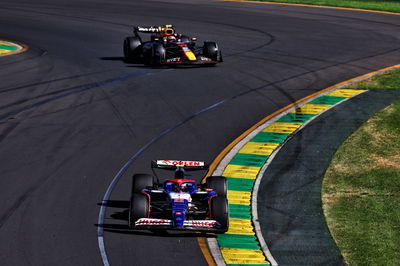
203, 58
149, 221
175, 162
151, 29
175, 59
201, 223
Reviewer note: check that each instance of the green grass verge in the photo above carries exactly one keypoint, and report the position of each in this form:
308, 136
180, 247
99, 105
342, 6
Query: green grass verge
392, 6
361, 190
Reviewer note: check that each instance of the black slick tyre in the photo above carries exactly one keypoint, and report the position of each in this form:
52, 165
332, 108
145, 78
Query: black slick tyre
210, 50
220, 213
138, 208
141, 181
218, 184
132, 49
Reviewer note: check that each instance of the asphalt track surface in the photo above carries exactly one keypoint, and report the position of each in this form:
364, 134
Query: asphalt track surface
72, 112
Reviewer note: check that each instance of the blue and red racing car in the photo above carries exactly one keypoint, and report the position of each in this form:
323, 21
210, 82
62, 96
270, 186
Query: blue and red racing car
179, 203
166, 47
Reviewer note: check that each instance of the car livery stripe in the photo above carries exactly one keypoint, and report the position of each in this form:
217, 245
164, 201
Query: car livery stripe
239, 245
10, 48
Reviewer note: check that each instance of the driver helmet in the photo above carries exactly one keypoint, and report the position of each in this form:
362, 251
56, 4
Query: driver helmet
170, 186
188, 187
171, 38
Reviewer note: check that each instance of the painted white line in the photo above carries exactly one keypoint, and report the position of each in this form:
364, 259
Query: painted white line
215, 251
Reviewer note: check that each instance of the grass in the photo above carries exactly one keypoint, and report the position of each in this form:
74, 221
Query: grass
391, 6
361, 190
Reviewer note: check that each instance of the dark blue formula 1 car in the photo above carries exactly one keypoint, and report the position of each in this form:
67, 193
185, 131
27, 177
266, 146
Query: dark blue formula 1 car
166, 47
179, 203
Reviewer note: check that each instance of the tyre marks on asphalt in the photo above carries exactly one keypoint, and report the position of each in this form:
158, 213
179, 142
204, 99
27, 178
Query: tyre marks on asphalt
241, 245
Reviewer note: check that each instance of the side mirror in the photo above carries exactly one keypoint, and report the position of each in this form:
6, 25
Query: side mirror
194, 39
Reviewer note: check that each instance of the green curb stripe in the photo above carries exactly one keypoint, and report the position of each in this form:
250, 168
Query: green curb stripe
239, 211
238, 241
240, 184
269, 137
8, 47
328, 100
295, 118
246, 159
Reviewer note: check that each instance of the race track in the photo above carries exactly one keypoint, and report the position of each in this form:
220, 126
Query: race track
72, 113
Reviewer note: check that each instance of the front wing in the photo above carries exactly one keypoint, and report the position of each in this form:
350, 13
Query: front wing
200, 60
197, 225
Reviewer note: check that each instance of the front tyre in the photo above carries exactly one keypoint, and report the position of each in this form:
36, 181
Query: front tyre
220, 212
210, 50
155, 55
139, 207
132, 49
141, 181
218, 184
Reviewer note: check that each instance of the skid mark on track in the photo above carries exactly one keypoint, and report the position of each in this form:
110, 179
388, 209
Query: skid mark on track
77, 91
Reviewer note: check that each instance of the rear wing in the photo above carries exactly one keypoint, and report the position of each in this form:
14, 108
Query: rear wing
166, 29
174, 164
151, 29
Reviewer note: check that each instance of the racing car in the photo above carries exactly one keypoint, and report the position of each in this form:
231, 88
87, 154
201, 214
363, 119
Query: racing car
178, 203
166, 47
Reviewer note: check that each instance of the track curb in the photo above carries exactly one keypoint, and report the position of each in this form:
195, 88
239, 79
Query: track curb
11, 48
304, 110
315, 6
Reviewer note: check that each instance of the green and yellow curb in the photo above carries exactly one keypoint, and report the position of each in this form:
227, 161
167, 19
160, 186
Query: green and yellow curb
241, 245
11, 48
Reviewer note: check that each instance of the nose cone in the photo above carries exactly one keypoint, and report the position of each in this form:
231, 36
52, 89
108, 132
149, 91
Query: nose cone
179, 218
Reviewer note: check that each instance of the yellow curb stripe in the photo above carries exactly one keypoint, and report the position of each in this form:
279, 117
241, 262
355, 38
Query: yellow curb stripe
240, 227
279, 127
259, 148
242, 256
344, 93
239, 197
238, 171
311, 109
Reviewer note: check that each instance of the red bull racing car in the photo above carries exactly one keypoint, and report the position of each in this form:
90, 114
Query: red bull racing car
179, 203
166, 47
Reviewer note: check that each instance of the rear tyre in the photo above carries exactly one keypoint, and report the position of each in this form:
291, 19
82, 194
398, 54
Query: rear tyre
220, 213
210, 50
139, 208
218, 184
141, 181
132, 49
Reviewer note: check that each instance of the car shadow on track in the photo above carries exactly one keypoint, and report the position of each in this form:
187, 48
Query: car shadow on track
139, 64
123, 228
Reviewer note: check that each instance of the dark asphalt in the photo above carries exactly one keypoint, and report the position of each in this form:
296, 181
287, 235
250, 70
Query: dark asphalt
290, 208
72, 113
